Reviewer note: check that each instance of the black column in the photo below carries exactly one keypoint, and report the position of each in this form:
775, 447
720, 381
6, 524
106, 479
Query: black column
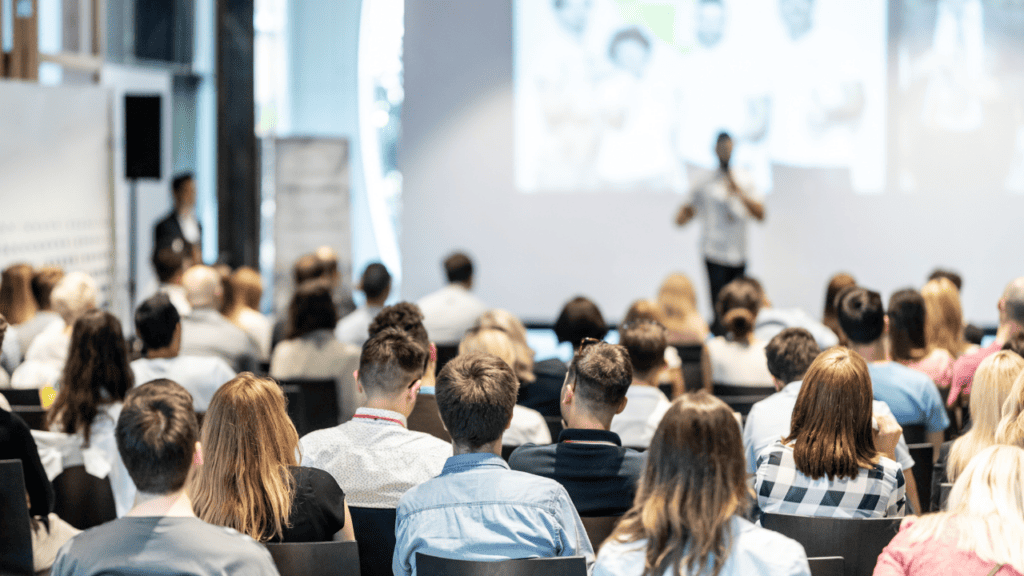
238, 197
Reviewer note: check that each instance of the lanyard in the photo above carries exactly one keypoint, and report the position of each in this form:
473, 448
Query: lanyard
369, 417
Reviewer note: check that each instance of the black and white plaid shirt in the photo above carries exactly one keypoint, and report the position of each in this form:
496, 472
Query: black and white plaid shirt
876, 492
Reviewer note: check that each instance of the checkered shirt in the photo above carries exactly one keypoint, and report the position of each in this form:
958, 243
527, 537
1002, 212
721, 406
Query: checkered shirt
876, 492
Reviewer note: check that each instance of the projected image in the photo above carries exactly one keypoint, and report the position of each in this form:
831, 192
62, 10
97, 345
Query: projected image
630, 94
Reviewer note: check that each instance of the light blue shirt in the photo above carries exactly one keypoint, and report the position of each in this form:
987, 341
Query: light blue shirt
910, 394
202, 376
479, 509
770, 419
754, 550
771, 321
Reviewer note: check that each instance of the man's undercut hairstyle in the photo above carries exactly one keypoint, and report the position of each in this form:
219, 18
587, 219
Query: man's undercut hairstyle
601, 373
790, 353
180, 180
167, 262
861, 315
155, 320
405, 316
948, 275
156, 436
475, 396
43, 281
646, 343
458, 268
391, 361
580, 318
376, 280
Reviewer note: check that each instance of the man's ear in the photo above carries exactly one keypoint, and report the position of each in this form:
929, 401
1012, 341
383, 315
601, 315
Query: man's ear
568, 394
359, 385
623, 405
414, 390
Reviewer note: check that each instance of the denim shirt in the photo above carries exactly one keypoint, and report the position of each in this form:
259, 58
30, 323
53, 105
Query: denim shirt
479, 509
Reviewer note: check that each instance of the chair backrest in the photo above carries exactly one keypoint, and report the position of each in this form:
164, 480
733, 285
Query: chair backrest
826, 566
723, 390
34, 416
567, 566
554, 426
858, 540
312, 403
599, 528
944, 489
23, 397
16, 551
445, 353
915, 434
375, 534
426, 418
923, 470
693, 370
82, 499
323, 558
506, 451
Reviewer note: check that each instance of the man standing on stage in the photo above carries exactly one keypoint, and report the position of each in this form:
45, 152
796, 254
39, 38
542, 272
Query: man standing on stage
724, 202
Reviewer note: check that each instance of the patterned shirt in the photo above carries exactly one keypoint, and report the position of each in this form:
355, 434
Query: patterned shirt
876, 492
374, 458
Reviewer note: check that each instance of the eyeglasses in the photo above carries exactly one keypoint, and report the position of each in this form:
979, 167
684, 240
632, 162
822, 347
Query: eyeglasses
587, 342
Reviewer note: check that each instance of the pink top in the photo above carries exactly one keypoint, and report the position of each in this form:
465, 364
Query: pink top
938, 366
964, 369
938, 556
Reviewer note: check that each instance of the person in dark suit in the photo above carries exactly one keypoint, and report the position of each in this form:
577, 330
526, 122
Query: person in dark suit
180, 230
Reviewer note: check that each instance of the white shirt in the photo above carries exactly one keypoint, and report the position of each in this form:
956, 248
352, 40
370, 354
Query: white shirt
374, 457
724, 217
645, 406
528, 427
771, 321
189, 227
352, 329
449, 312
176, 294
200, 375
45, 359
259, 328
738, 364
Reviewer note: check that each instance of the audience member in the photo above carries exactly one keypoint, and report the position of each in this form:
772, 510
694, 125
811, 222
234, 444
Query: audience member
982, 531
1011, 323
479, 509
158, 326
312, 351
206, 332
790, 353
1016, 344
580, 319
180, 230
907, 343
94, 383
170, 266
250, 479
677, 303
589, 460
830, 317
646, 404
376, 286
691, 518
452, 310
671, 374
374, 457
738, 357
911, 395
157, 436
770, 321
243, 308
1011, 425
72, 297
305, 268
16, 301
539, 391
832, 463
993, 383
5, 378
331, 271
944, 318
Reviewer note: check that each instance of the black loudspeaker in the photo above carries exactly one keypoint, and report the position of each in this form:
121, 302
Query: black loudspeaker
142, 137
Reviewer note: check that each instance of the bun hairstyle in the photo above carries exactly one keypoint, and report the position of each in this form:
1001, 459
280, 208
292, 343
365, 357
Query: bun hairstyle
738, 304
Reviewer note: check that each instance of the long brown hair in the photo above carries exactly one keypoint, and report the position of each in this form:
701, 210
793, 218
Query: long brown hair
16, 301
907, 319
248, 444
97, 363
830, 317
693, 485
831, 426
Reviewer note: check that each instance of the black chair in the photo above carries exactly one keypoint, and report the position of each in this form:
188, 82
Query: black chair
742, 398
666, 389
944, 489
567, 566
827, 566
34, 416
312, 403
15, 532
426, 418
599, 528
858, 540
445, 354
82, 499
506, 451
21, 397
323, 558
915, 434
554, 426
693, 369
375, 534
923, 469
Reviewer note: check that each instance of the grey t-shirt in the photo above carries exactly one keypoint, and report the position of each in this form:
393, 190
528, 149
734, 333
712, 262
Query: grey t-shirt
156, 546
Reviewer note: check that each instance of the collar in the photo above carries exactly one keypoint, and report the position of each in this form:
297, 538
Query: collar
384, 417
587, 435
466, 462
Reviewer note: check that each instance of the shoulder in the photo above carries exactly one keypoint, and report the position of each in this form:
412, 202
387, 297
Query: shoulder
761, 546
530, 457
621, 558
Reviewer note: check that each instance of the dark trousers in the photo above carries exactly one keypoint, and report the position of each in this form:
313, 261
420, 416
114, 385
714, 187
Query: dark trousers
718, 276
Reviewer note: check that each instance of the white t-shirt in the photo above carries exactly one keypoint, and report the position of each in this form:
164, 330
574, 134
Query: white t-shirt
200, 375
449, 312
724, 217
528, 427
738, 364
645, 407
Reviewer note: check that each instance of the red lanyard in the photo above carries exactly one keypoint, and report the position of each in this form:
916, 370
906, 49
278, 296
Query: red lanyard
369, 417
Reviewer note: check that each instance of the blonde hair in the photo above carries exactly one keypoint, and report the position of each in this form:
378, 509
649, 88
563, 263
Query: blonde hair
986, 507
73, 296
248, 444
1011, 426
944, 317
493, 341
16, 301
993, 383
677, 305
505, 320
